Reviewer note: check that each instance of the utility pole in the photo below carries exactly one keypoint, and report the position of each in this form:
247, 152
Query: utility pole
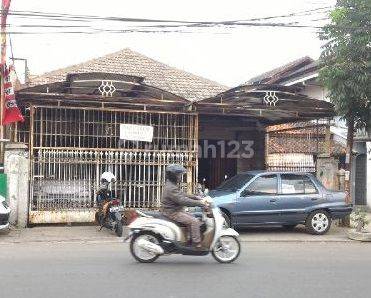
348, 166
26, 72
348, 158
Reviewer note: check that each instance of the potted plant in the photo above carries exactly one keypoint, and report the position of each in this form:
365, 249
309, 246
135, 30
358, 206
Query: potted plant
359, 222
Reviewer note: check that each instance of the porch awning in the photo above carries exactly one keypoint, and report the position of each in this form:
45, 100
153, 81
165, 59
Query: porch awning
108, 89
271, 104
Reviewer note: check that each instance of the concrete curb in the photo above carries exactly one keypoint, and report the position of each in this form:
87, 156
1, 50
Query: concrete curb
74, 241
359, 236
90, 235
120, 240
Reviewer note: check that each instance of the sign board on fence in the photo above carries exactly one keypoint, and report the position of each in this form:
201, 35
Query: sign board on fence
135, 132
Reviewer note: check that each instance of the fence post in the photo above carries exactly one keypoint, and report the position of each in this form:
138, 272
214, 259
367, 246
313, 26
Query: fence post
17, 169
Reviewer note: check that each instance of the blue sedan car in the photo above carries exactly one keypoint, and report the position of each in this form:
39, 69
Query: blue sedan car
279, 198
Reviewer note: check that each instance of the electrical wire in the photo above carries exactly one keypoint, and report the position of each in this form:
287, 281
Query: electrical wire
71, 17
143, 25
111, 18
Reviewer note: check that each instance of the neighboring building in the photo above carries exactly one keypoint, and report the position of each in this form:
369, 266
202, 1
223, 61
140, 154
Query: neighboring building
76, 116
303, 73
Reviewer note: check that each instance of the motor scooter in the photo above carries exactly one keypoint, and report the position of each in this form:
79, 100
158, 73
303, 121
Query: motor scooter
113, 219
152, 236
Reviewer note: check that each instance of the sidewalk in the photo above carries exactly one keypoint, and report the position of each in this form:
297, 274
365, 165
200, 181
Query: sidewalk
91, 234
55, 234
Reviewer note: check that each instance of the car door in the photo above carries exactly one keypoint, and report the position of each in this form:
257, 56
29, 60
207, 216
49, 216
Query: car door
297, 192
257, 203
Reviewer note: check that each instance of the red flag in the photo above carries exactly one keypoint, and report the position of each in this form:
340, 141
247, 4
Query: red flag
11, 112
4, 12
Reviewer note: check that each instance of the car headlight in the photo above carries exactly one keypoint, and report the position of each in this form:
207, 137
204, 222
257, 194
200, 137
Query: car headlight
5, 204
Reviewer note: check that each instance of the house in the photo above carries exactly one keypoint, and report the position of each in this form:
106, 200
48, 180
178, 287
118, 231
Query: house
78, 120
303, 73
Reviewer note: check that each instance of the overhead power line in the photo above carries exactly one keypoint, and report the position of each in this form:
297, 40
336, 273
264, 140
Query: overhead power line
145, 25
74, 17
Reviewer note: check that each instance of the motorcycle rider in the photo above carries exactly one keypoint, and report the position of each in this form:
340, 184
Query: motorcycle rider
104, 195
174, 200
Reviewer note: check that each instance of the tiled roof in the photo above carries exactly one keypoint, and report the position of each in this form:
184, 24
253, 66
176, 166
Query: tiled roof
157, 74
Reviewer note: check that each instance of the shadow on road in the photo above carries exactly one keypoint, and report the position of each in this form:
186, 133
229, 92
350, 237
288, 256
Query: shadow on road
177, 261
274, 229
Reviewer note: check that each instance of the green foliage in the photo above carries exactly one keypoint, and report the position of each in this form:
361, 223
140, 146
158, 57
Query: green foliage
345, 59
359, 218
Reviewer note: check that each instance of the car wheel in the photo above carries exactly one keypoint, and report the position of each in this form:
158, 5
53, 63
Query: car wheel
318, 222
227, 223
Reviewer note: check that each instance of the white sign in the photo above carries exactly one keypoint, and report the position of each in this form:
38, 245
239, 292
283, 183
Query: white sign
134, 132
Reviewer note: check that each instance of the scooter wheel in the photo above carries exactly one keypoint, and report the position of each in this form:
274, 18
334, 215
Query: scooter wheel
226, 249
138, 253
119, 229
99, 218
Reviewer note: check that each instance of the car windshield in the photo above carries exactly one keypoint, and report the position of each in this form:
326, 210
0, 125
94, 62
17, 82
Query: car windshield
236, 182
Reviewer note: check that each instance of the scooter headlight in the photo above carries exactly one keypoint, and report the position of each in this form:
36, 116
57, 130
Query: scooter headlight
5, 204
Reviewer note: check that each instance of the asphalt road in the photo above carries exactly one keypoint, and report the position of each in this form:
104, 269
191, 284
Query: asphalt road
263, 270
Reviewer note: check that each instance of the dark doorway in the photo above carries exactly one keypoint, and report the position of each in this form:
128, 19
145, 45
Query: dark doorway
215, 162
360, 180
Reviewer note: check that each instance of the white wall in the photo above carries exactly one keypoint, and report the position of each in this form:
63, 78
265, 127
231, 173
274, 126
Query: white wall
315, 91
17, 169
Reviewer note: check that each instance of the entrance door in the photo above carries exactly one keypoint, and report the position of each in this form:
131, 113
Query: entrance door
360, 180
257, 204
214, 163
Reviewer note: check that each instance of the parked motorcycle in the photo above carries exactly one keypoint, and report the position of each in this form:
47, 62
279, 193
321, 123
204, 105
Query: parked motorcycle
113, 218
4, 214
109, 214
152, 236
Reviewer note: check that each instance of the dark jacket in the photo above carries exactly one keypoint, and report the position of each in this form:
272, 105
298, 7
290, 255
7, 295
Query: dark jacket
103, 193
173, 199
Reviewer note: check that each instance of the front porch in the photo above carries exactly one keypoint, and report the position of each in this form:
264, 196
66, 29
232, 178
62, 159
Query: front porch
72, 132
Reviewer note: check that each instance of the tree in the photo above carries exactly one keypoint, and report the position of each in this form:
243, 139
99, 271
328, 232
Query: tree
345, 66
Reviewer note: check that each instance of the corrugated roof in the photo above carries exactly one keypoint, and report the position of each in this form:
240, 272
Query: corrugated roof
285, 70
157, 74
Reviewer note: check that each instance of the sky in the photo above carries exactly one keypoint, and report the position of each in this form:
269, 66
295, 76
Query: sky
229, 56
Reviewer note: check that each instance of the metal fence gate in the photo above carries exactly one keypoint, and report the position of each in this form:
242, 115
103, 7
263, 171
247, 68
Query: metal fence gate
71, 147
291, 162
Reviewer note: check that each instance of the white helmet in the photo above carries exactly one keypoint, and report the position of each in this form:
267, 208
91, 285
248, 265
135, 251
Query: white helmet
108, 176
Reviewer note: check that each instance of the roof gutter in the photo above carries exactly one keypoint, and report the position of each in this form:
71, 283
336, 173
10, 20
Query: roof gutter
301, 80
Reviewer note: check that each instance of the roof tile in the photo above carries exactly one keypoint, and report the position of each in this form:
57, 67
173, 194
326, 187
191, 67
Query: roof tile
157, 74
